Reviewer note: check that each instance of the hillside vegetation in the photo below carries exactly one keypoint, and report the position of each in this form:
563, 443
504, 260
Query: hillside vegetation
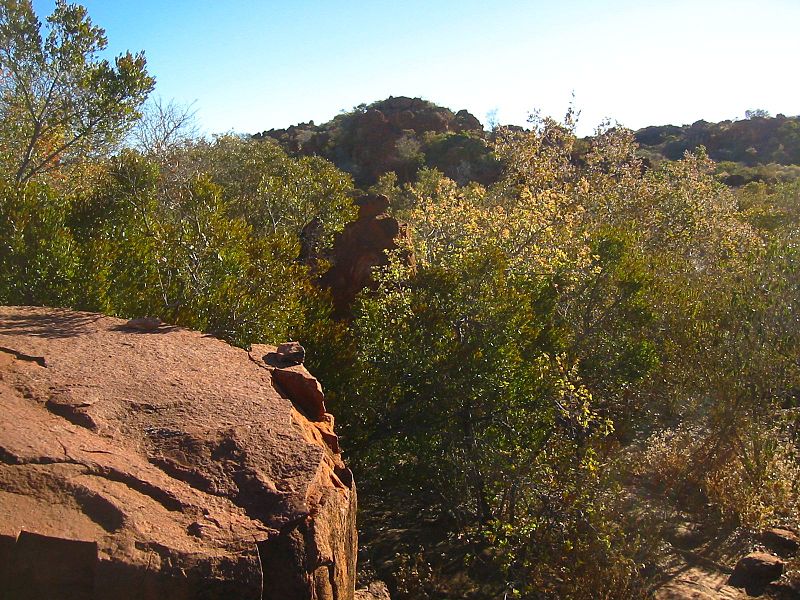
403, 135
582, 327
758, 148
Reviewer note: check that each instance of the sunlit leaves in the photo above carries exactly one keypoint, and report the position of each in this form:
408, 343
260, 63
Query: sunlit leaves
270, 190
61, 104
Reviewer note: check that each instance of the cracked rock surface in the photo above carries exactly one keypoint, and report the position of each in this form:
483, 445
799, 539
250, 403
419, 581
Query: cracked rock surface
161, 463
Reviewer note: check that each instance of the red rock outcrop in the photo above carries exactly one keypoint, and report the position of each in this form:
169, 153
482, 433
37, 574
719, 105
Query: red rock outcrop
360, 247
161, 463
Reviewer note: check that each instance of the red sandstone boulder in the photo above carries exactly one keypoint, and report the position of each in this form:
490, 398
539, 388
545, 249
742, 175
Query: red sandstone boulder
140, 463
302, 389
370, 206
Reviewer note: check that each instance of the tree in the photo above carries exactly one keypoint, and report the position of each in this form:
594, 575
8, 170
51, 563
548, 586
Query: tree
273, 192
756, 113
60, 103
175, 251
163, 128
472, 406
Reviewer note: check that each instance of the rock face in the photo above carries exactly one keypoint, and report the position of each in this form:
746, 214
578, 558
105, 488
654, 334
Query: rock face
140, 463
360, 247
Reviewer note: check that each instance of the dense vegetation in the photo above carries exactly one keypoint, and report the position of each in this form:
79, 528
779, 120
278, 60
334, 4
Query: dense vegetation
578, 326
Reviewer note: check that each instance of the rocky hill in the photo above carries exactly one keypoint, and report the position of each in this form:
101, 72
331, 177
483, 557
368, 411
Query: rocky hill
758, 140
143, 461
399, 134
759, 148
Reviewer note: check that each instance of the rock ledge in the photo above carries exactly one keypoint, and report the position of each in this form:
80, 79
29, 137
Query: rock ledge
156, 462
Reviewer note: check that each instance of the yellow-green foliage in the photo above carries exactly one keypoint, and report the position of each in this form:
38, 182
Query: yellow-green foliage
553, 318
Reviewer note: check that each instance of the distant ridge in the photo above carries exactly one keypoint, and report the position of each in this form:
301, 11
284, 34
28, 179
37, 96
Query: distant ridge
402, 134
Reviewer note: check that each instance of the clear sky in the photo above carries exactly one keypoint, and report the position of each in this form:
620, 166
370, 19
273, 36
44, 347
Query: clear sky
251, 65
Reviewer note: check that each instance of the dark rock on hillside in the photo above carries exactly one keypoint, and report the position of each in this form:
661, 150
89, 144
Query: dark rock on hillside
158, 462
466, 121
783, 542
291, 353
754, 571
360, 247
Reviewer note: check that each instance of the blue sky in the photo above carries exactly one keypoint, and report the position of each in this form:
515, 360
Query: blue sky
251, 65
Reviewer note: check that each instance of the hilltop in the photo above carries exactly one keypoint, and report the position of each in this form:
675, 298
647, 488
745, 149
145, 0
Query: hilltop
398, 134
402, 135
